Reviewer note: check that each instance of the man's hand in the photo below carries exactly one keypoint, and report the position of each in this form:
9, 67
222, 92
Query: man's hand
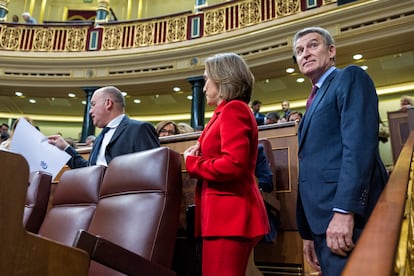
57, 141
339, 233
310, 254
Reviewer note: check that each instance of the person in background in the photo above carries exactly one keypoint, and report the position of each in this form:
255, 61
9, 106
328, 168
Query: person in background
341, 175
230, 214
295, 116
28, 19
15, 18
260, 118
272, 118
4, 137
90, 140
184, 128
286, 110
5, 145
4, 128
406, 102
120, 135
167, 128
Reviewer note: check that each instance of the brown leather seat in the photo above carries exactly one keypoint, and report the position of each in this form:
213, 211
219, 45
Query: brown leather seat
136, 218
138, 209
73, 204
37, 198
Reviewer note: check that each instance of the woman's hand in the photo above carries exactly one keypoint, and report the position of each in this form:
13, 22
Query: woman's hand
192, 151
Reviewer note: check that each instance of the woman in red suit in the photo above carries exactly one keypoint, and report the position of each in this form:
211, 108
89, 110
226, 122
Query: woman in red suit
230, 214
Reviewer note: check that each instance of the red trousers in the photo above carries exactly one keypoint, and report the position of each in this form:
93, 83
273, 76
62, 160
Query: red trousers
226, 256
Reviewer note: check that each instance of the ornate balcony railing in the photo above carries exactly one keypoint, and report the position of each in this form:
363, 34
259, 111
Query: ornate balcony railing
213, 20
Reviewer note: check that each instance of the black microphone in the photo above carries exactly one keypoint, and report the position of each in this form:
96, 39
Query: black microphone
294, 59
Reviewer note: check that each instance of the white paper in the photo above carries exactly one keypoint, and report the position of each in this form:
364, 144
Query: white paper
34, 146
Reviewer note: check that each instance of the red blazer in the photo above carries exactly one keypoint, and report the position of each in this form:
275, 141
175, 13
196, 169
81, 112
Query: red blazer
228, 201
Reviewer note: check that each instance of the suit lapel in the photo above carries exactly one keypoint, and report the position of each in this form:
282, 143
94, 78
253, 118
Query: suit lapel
121, 127
303, 127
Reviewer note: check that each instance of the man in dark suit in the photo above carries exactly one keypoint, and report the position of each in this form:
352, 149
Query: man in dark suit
341, 175
120, 134
260, 118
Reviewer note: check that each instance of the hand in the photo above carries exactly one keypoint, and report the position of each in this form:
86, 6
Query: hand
310, 255
339, 233
192, 151
57, 141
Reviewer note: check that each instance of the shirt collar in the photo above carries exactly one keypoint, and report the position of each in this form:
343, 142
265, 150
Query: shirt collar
114, 123
324, 76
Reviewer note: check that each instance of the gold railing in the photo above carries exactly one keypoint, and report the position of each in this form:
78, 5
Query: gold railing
185, 26
386, 244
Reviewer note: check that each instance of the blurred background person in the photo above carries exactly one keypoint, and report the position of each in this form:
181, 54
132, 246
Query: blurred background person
406, 102
295, 116
184, 128
286, 109
15, 18
167, 128
256, 105
4, 128
5, 145
272, 118
28, 18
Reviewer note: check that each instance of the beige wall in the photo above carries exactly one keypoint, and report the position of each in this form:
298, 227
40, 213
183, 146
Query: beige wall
56, 10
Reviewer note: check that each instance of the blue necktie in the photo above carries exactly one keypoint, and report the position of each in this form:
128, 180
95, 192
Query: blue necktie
97, 146
311, 96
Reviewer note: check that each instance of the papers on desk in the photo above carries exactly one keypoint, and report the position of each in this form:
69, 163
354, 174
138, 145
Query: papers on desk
34, 146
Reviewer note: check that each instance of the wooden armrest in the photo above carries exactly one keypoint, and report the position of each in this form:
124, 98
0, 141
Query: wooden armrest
116, 257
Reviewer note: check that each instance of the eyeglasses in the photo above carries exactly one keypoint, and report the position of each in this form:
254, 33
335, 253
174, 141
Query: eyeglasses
170, 132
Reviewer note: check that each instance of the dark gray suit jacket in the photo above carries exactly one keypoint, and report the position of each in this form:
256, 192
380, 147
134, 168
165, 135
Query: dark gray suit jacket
130, 136
339, 161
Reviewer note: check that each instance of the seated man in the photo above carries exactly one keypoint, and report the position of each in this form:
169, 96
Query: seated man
120, 135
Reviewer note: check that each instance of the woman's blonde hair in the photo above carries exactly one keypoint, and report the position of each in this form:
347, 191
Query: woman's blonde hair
232, 75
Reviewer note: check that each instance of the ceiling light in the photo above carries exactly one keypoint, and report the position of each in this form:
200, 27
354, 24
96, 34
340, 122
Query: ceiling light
124, 93
364, 67
84, 102
32, 101
18, 93
176, 89
300, 80
290, 70
71, 95
266, 81
189, 97
137, 101
357, 56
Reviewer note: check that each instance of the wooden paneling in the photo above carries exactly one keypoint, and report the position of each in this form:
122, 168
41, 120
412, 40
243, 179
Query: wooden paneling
399, 131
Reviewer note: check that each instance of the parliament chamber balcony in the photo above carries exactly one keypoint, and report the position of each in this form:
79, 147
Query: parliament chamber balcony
149, 56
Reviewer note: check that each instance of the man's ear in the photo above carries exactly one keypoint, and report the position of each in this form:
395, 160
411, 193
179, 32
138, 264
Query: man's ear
294, 59
109, 103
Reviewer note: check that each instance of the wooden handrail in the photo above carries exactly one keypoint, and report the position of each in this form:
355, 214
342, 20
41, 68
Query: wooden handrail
377, 247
